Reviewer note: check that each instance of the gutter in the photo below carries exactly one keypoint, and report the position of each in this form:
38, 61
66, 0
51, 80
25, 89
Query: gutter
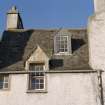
51, 71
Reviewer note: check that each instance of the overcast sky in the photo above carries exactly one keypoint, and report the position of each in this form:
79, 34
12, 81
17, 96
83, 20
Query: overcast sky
49, 13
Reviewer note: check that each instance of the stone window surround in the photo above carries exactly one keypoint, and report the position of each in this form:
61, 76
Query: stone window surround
45, 80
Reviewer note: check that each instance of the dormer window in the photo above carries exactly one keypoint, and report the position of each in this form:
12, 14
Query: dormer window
62, 42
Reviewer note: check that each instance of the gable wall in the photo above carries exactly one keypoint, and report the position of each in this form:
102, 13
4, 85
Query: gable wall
96, 31
99, 5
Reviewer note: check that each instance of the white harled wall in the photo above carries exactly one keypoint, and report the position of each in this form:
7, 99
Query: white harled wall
96, 34
99, 5
62, 89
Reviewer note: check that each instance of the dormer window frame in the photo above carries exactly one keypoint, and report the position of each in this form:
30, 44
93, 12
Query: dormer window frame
58, 40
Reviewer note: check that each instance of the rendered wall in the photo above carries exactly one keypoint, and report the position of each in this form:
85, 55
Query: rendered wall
103, 87
63, 89
99, 5
96, 34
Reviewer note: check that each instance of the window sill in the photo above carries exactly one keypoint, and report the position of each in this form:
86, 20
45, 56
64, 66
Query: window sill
4, 89
36, 91
61, 53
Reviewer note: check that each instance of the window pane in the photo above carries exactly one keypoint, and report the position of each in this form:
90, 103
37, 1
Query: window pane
62, 46
5, 85
65, 49
37, 74
57, 38
36, 68
61, 50
32, 86
1, 78
37, 81
37, 78
65, 39
37, 86
62, 41
33, 80
1, 84
32, 67
41, 74
41, 67
4, 81
41, 86
41, 80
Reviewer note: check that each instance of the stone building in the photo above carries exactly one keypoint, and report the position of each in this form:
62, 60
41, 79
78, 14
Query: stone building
53, 66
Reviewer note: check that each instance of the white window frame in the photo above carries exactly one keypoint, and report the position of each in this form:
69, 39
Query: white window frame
59, 44
30, 89
4, 82
56, 44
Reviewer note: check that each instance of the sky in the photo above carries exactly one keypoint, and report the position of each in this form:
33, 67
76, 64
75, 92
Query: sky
49, 13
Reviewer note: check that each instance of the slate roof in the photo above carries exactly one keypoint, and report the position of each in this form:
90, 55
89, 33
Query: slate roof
18, 45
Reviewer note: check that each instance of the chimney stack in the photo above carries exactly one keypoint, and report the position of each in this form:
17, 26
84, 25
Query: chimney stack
14, 20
